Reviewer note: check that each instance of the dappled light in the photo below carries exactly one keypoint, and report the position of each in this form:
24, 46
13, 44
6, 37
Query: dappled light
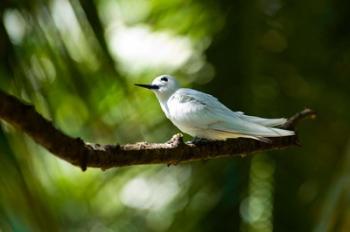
138, 49
77, 62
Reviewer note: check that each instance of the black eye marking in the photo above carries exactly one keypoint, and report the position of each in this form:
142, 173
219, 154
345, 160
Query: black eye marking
164, 79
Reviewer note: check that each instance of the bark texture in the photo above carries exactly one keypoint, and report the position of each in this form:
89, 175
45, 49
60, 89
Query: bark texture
79, 153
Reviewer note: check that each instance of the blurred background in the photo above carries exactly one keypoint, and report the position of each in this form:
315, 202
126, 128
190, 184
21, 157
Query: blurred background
77, 61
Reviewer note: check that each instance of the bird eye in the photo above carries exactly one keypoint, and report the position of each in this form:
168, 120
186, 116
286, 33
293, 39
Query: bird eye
164, 79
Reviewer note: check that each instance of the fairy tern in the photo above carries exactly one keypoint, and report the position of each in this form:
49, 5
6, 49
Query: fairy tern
203, 117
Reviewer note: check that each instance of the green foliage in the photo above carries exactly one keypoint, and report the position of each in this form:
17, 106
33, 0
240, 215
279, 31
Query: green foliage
76, 61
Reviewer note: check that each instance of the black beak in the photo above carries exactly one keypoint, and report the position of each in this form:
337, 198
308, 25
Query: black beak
148, 86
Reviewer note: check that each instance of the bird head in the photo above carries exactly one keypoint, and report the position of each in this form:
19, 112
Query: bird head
163, 85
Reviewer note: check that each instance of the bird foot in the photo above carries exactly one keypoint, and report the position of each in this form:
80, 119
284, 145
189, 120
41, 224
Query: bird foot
198, 141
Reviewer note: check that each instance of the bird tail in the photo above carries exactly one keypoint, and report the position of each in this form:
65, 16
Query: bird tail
259, 132
279, 132
245, 128
269, 132
266, 138
265, 121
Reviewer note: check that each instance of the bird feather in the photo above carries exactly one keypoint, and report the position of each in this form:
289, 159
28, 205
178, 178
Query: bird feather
189, 108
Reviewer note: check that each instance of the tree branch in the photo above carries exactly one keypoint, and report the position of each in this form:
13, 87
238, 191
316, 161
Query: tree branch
79, 153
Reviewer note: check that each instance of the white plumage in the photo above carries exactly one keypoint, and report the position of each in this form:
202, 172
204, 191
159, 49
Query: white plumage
202, 115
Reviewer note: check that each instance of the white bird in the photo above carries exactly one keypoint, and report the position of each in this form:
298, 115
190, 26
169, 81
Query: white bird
203, 117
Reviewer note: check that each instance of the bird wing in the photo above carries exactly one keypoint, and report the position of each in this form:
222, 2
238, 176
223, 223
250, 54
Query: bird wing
200, 110
269, 122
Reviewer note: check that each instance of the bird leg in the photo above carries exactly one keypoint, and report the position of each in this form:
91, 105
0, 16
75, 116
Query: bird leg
198, 141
